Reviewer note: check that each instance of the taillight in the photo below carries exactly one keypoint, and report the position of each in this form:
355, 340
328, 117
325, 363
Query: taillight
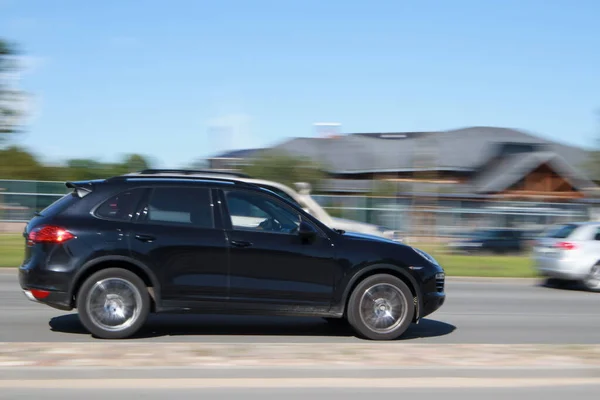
39, 294
566, 246
49, 234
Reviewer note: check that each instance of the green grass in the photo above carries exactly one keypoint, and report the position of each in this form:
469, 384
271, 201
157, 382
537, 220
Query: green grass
484, 265
12, 248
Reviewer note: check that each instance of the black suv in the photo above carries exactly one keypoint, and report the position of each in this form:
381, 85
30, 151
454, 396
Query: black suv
121, 248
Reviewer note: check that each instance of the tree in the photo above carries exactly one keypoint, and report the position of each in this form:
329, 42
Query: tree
17, 163
284, 168
135, 162
11, 99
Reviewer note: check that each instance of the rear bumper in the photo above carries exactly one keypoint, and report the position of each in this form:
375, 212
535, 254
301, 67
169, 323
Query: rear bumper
55, 298
560, 268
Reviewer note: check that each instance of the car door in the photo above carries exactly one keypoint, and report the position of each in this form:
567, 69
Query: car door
176, 234
270, 264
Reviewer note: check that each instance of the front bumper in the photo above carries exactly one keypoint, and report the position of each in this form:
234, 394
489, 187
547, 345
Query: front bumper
431, 303
433, 294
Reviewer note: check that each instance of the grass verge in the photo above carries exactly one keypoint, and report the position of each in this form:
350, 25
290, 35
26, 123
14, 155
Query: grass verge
11, 250
11, 255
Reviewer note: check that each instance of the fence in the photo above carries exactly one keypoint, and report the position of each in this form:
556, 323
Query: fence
447, 218
19, 200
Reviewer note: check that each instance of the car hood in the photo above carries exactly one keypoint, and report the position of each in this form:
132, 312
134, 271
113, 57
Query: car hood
363, 226
369, 237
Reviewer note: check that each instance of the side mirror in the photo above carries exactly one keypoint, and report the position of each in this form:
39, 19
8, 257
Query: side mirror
306, 231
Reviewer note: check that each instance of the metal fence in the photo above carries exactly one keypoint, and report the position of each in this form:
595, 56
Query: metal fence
447, 218
19, 200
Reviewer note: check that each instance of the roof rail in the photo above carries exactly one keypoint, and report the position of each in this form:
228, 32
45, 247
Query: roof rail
173, 175
191, 172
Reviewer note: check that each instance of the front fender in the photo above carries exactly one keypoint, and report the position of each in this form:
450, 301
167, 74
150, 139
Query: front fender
381, 268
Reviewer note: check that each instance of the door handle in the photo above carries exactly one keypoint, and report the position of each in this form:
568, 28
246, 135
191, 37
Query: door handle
145, 238
240, 243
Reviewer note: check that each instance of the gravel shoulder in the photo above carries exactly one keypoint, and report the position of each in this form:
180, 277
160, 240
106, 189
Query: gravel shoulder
381, 355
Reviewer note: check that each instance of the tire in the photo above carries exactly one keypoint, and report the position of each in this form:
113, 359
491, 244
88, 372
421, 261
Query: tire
555, 283
124, 293
592, 281
390, 295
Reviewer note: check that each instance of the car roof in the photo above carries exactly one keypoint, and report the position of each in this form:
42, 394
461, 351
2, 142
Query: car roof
202, 174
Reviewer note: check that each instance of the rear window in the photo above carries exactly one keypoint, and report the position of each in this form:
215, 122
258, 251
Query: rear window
59, 205
561, 232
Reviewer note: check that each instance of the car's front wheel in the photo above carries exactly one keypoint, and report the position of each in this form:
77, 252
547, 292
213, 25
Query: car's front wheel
381, 307
113, 303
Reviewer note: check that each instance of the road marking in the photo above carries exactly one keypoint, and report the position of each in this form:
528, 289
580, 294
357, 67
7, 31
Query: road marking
228, 383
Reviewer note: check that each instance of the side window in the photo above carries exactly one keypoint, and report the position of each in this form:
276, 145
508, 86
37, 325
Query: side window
120, 207
597, 234
252, 211
181, 205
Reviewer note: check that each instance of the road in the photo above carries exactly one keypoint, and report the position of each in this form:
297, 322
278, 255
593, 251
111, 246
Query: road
475, 312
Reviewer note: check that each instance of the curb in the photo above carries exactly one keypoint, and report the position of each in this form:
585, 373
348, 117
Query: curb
296, 356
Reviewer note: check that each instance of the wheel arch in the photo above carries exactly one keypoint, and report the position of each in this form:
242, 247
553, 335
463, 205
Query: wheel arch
138, 268
389, 269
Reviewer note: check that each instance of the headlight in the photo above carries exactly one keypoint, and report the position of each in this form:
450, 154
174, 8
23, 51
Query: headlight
426, 256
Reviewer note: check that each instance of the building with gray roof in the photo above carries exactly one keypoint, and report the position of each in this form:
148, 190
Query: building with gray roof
469, 162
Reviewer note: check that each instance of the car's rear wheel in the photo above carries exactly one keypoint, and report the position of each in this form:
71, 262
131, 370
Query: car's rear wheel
592, 280
113, 303
381, 307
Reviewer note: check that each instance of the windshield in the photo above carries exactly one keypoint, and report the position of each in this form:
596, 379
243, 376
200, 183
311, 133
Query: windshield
484, 234
283, 194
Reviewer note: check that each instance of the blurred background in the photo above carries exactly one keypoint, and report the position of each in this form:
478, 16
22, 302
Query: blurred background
447, 124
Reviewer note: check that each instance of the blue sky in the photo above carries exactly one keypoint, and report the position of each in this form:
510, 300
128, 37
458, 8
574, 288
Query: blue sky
153, 77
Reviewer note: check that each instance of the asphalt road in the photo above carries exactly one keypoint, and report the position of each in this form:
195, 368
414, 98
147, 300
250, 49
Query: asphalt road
475, 312
547, 393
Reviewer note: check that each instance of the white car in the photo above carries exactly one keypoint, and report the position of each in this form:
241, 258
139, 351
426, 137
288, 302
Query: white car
301, 197
570, 252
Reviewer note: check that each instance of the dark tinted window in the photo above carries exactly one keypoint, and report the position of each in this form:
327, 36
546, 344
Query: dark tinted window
255, 211
181, 205
120, 207
59, 205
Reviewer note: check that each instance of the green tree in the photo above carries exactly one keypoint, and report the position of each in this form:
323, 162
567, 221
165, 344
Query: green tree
135, 162
17, 163
81, 169
284, 168
11, 99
